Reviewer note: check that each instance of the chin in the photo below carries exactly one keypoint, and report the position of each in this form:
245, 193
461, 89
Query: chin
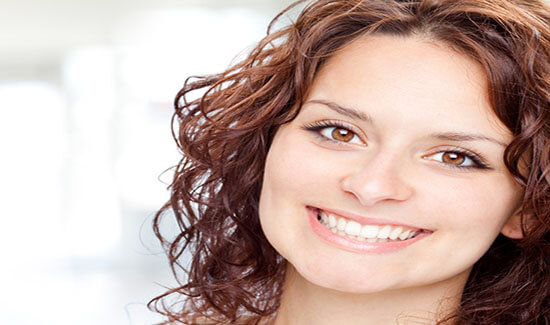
333, 277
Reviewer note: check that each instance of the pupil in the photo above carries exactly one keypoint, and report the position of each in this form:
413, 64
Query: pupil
342, 134
453, 157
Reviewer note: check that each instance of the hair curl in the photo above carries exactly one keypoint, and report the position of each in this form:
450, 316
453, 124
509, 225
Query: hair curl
225, 135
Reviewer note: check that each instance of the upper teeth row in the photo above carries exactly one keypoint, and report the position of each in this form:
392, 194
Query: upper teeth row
353, 228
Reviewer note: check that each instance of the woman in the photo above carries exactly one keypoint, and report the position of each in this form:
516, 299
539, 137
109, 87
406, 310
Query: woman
375, 162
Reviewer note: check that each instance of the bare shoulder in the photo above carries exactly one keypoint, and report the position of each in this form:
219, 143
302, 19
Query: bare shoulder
202, 320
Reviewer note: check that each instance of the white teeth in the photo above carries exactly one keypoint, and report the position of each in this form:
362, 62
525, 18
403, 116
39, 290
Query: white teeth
368, 233
384, 232
404, 235
353, 228
341, 224
331, 221
324, 218
395, 232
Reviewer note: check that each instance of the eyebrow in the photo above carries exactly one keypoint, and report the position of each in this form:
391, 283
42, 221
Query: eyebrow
347, 111
449, 136
459, 136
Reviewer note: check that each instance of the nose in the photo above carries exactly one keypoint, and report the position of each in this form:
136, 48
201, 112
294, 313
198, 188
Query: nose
381, 178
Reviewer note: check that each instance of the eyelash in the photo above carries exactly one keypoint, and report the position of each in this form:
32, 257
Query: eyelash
479, 162
316, 127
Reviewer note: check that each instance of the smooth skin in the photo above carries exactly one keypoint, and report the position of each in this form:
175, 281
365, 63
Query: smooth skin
422, 126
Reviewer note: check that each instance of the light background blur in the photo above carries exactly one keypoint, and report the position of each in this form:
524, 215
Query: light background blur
86, 91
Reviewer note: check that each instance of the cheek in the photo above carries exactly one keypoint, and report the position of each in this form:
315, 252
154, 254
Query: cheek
285, 177
296, 171
475, 204
294, 177
468, 215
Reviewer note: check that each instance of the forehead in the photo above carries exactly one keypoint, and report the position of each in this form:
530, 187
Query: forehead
413, 79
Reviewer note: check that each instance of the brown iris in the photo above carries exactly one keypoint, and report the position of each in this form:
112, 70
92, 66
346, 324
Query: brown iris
453, 158
342, 134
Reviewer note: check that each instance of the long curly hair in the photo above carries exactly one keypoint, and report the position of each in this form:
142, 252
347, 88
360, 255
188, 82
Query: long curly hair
224, 136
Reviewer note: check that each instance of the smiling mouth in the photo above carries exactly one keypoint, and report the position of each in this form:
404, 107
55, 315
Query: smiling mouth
368, 233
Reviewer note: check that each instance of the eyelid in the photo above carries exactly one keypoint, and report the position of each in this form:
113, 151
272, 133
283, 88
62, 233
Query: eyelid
479, 161
317, 126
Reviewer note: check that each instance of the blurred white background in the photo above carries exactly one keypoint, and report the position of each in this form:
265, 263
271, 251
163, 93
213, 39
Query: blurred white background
86, 91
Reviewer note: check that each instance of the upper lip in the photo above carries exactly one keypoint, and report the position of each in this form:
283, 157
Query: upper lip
367, 220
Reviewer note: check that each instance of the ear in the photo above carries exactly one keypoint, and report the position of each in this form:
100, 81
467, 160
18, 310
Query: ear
512, 227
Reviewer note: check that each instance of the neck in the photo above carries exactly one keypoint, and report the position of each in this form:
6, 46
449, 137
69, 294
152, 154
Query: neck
306, 303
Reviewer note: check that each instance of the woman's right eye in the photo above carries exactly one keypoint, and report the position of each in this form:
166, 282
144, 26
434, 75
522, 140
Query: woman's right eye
334, 132
340, 134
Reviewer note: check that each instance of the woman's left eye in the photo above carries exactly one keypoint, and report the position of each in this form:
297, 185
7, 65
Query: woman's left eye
458, 159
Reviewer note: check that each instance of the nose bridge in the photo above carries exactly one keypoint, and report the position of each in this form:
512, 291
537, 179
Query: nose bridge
380, 176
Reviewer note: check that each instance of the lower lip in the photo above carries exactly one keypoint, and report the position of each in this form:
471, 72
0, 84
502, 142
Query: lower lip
355, 245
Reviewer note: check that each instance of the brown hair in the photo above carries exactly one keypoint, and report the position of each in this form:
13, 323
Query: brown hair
225, 135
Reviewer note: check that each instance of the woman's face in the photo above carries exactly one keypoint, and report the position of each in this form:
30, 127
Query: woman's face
398, 153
